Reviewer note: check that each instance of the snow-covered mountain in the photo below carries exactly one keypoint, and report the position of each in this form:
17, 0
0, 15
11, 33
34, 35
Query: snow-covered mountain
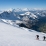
23, 17
25, 9
11, 34
31, 15
17, 12
16, 36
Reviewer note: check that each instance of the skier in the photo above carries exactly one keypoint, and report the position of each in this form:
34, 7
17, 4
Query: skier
44, 38
37, 37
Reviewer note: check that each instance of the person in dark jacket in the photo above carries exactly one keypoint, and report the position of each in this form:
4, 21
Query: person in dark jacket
37, 37
44, 38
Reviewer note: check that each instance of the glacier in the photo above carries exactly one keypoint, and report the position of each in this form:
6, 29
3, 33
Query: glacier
17, 36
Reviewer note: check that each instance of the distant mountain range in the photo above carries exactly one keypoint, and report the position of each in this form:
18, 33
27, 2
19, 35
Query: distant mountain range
24, 17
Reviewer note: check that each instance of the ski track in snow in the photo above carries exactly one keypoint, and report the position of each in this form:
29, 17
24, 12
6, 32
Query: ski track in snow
14, 36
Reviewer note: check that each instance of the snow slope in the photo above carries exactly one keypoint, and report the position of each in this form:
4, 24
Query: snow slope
16, 36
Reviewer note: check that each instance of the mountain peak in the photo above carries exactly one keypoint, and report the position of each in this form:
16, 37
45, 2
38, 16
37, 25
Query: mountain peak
25, 9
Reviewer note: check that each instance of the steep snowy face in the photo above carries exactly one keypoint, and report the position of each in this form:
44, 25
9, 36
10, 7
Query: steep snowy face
40, 13
29, 14
16, 36
8, 15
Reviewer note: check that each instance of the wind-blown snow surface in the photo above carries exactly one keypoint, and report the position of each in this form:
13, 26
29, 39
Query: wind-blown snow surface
16, 36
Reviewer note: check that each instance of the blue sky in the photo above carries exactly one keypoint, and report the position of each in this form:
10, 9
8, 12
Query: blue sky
6, 4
